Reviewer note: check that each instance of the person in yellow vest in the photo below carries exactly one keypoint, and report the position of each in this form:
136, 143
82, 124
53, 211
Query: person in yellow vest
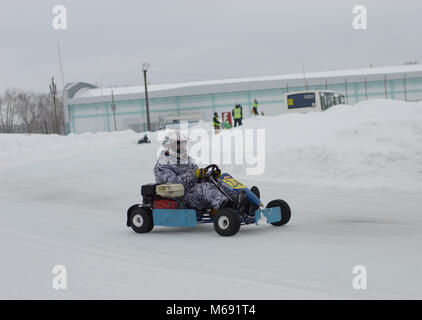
216, 123
255, 108
237, 115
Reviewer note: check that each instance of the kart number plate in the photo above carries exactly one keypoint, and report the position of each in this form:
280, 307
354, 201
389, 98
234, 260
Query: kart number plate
233, 184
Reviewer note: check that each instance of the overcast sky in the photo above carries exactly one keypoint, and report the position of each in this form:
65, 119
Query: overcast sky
186, 40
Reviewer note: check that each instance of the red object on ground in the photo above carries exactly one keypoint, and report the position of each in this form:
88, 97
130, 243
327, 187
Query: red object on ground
227, 117
165, 204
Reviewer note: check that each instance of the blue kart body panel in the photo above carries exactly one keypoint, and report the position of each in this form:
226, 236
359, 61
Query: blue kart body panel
228, 182
174, 217
267, 216
189, 217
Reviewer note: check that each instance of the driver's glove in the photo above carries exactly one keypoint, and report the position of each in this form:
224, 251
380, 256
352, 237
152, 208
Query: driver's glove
200, 174
217, 174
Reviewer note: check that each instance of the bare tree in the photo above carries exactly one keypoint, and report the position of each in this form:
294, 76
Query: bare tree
22, 111
23, 105
2, 124
9, 100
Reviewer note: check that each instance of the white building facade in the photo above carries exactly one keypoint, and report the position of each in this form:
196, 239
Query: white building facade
88, 108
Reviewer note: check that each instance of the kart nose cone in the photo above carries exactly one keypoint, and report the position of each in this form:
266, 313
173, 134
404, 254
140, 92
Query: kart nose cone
267, 216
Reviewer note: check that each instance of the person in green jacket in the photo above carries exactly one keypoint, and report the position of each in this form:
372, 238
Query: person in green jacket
237, 115
255, 108
216, 123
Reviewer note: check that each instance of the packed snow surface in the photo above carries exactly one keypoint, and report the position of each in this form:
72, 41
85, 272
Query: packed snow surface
352, 175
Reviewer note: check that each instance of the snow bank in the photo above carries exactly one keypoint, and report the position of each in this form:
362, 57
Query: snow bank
18, 149
371, 144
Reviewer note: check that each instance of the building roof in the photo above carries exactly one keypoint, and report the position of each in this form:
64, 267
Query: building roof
86, 92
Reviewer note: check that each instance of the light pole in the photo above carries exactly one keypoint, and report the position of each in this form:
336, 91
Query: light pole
113, 108
145, 67
53, 91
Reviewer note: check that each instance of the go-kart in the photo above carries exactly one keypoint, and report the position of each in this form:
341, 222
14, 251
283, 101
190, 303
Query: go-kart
163, 205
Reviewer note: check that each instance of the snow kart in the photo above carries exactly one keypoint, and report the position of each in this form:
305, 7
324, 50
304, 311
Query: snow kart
144, 140
163, 206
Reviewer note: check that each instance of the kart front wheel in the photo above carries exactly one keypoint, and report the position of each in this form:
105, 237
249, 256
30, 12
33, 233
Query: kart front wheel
251, 207
285, 212
256, 192
227, 222
141, 220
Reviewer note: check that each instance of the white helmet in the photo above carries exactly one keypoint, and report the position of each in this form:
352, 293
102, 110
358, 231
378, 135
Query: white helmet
176, 144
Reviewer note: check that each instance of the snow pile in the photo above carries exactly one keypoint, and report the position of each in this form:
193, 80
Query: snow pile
17, 149
372, 144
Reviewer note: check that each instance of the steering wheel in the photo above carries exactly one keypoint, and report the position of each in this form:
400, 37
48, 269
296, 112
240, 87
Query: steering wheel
210, 171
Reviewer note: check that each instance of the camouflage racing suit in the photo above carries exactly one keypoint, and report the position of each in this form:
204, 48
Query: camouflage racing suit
168, 170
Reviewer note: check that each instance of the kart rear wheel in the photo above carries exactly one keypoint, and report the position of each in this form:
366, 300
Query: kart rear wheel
129, 212
285, 212
227, 222
141, 220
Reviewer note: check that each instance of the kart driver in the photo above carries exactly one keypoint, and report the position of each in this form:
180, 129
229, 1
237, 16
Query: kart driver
175, 166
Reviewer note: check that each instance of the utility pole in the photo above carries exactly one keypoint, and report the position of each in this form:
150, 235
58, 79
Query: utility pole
60, 63
405, 87
304, 74
53, 91
366, 89
347, 90
145, 67
113, 108
385, 86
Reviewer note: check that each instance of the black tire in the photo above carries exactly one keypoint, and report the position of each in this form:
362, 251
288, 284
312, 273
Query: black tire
285, 212
251, 207
141, 220
227, 222
256, 192
129, 212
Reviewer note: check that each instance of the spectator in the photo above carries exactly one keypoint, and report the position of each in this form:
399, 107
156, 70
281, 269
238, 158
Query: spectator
216, 123
237, 115
255, 107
